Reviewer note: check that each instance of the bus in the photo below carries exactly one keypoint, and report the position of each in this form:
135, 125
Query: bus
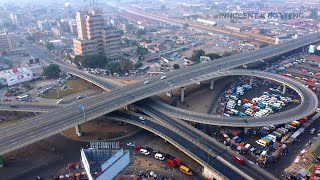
23, 98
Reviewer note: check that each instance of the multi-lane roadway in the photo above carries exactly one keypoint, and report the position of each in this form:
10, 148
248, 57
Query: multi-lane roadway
69, 116
45, 125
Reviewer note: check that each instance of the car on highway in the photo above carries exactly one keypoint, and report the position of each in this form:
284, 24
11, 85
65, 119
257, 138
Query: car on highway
13, 106
79, 97
239, 159
163, 77
159, 156
146, 82
144, 151
60, 101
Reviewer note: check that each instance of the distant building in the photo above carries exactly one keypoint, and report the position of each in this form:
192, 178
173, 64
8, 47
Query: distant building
94, 37
44, 25
56, 32
15, 76
73, 26
63, 24
104, 164
7, 41
17, 19
56, 42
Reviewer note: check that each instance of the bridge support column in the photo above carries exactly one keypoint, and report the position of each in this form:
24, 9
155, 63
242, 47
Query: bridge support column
182, 94
78, 130
211, 84
251, 81
245, 130
284, 89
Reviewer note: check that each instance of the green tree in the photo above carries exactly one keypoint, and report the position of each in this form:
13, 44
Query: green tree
126, 64
51, 71
176, 66
94, 61
196, 55
263, 44
49, 46
141, 51
114, 67
213, 56
229, 53
137, 65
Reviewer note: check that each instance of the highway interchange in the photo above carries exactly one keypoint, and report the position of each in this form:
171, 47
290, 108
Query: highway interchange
62, 118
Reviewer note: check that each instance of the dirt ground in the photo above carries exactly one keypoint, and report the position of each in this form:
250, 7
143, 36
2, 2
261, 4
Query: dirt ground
101, 129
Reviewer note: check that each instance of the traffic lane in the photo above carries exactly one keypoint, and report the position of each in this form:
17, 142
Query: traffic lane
159, 83
211, 69
186, 144
222, 152
309, 101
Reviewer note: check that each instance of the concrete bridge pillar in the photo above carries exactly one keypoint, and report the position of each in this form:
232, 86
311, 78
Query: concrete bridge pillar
245, 130
78, 130
251, 81
284, 89
211, 84
182, 94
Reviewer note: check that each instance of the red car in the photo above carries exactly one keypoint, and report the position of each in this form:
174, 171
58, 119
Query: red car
239, 159
137, 148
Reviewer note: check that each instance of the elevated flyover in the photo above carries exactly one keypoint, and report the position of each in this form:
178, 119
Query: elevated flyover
45, 125
309, 104
208, 144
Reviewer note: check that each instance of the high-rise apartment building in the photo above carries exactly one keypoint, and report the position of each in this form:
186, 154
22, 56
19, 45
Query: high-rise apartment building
17, 18
94, 37
6, 41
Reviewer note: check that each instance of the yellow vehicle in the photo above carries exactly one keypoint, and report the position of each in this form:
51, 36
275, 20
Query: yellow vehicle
295, 101
185, 170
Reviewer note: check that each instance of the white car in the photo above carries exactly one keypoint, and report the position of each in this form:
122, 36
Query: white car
144, 151
146, 82
159, 156
142, 118
163, 77
131, 144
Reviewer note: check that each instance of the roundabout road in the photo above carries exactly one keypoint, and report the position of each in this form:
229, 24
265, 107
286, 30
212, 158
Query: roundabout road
309, 104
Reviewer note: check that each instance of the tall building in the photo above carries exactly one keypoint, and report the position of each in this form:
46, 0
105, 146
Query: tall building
95, 37
17, 19
73, 27
44, 25
6, 41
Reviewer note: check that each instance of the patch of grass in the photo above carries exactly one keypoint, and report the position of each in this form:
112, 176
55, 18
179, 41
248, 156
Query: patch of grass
110, 135
74, 86
125, 81
10, 121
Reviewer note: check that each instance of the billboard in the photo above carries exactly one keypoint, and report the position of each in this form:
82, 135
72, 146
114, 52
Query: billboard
19, 76
311, 49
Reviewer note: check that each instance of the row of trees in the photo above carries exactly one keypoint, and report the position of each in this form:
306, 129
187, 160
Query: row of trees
197, 53
100, 61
